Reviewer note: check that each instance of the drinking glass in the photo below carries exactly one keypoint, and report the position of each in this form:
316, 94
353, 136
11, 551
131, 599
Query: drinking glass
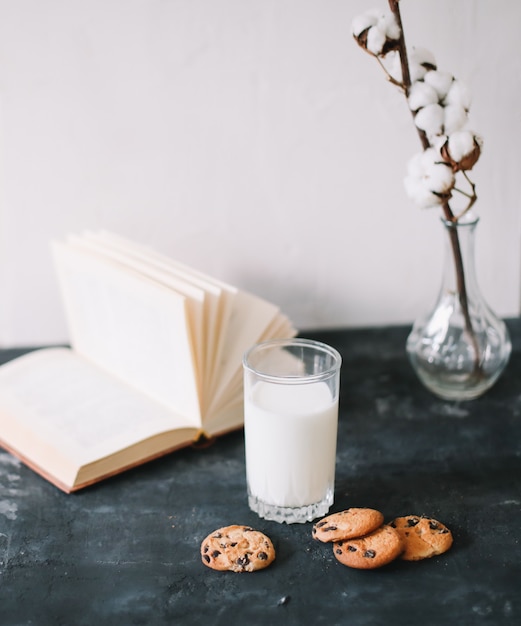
291, 389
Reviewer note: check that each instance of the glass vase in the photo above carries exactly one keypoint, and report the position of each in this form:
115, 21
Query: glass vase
461, 347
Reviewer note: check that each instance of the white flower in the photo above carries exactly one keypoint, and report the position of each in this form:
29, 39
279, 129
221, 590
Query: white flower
376, 39
430, 119
440, 81
455, 117
393, 66
379, 28
461, 150
422, 56
388, 23
429, 179
420, 95
421, 60
462, 143
364, 21
420, 194
436, 175
458, 94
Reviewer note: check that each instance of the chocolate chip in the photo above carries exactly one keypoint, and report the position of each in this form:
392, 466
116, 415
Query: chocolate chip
262, 556
206, 548
243, 560
217, 536
338, 550
433, 525
369, 554
233, 544
215, 554
444, 531
351, 548
329, 529
320, 524
412, 521
206, 558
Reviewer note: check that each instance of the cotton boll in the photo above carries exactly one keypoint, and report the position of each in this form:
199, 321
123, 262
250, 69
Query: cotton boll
375, 39
441, 81
429, 179
420, 194
460, 144
437, 174
416, 71
458, 94
393, 66
429, 158
370, 31
462, 150
422, 56
415, 166
430, 119
420, 95
390, 26
438, 143
455, 117
420, 61
440, 177
364, 21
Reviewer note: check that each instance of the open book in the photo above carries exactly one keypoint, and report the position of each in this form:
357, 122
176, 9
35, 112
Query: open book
155, 363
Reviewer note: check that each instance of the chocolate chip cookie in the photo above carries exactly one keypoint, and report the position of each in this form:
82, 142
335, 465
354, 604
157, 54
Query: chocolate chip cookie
353, 522
237, 549
376, 549
423, 537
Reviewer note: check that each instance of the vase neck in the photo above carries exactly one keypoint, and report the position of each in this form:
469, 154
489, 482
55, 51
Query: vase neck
459, 257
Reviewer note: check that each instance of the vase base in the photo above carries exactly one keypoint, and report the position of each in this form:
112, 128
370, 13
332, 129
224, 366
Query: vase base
457, 393
456, 386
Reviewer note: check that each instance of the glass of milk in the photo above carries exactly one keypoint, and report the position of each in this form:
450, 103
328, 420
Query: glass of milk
290, 428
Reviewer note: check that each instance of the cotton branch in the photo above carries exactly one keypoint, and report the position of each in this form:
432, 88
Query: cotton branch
394, 5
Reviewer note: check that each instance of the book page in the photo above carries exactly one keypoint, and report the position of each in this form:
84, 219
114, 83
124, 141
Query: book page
227, 418
231, 396
251, 318
132, 327
195, 297
62, 412
219, 301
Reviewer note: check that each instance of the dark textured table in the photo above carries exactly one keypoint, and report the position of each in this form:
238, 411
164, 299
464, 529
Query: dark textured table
126, 551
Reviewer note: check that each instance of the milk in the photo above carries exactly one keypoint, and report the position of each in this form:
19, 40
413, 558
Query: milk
290, 439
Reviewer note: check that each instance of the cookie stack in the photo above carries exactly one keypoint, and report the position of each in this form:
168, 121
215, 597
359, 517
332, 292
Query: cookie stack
362, 540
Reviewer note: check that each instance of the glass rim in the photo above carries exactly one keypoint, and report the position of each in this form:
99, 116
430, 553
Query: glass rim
466, 221
293, 379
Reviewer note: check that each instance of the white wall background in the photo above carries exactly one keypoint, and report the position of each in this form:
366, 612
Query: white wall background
252, 139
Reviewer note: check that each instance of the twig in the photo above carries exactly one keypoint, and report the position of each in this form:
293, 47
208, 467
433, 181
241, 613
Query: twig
447, 211
404, 62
